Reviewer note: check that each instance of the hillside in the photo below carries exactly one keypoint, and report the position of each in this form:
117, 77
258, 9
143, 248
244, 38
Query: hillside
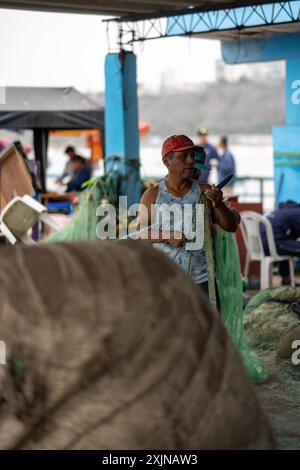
245, 107
240, 108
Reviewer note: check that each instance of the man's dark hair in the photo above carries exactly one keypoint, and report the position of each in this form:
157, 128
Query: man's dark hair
70, 149
224, 141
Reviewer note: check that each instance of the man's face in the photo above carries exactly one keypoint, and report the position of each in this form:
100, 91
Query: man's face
221, 145
181, 164
203, 139
71, 154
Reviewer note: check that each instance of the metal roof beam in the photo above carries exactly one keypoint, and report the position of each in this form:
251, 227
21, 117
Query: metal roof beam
241, 19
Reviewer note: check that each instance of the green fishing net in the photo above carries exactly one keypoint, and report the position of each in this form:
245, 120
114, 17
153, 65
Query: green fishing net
84, 221
229, 280
98, 192
270, 315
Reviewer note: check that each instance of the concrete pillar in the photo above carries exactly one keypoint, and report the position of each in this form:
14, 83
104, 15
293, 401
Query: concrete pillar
287, 139
121, 122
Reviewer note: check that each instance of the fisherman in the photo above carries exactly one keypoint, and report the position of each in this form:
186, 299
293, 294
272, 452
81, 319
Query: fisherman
179, 155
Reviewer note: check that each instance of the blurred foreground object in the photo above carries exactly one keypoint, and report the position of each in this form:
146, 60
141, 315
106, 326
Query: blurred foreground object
98, 359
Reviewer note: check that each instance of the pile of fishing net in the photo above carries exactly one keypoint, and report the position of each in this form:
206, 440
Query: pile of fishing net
110, 345
272, 327
83, 224
272, 320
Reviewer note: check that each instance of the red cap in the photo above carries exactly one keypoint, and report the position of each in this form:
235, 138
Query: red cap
178, 143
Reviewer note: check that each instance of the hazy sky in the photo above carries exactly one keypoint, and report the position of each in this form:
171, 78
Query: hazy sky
55, 49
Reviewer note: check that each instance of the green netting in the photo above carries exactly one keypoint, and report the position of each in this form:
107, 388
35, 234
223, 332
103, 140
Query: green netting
84, 221
270, 315
228, 275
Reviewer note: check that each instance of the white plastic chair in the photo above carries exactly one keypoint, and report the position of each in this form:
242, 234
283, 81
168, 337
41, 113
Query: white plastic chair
250, 228
21, 214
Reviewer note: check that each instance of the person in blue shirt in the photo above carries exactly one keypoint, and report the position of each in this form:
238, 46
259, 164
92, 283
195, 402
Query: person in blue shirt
226, 164
81, 174
68, 170
211, 153
285, 223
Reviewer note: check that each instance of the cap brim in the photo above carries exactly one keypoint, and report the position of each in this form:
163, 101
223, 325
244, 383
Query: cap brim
197, 148
201, 166
191, 147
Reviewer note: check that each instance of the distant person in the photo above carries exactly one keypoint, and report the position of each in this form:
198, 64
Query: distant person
70, 151
226, 164
211, 153
81, 173
285, 223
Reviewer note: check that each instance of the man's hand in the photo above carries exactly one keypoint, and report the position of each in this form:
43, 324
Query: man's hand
222, 215
215, 195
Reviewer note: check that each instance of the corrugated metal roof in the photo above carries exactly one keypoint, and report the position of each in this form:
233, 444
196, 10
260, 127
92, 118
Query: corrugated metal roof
122, 8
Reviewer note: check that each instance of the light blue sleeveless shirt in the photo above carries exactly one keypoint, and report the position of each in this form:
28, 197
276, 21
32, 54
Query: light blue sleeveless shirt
192, 261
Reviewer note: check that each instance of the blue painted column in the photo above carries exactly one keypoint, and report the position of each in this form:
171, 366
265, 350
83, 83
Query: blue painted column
287, 139
121, 122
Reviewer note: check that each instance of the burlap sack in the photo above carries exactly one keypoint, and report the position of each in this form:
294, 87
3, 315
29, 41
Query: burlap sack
111, 346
